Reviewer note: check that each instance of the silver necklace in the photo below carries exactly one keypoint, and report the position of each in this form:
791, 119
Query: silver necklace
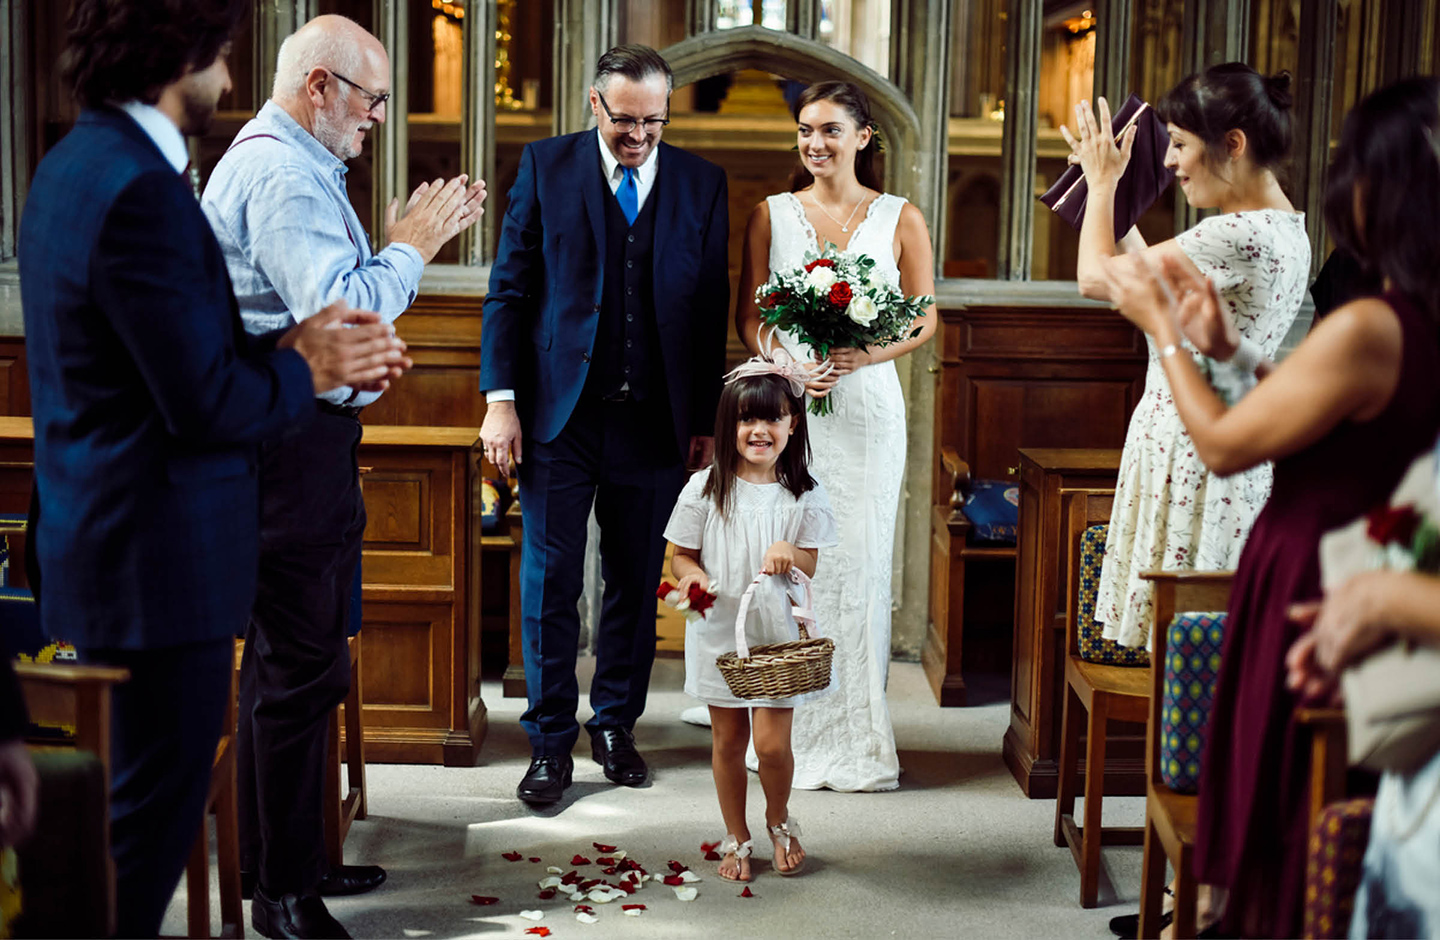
844, 226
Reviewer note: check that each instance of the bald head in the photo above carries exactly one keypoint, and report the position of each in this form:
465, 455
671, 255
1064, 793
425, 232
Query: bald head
328, 42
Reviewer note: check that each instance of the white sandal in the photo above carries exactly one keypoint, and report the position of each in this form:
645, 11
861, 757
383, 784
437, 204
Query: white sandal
781, 836
732, 846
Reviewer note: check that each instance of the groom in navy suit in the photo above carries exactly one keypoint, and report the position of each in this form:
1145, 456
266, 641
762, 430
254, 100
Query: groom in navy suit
601, 356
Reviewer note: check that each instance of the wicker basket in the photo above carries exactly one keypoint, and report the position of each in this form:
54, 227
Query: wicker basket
777, 670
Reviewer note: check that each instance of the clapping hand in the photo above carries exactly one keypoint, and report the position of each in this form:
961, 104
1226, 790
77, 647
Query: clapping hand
435, 213
1102, 162
366, 355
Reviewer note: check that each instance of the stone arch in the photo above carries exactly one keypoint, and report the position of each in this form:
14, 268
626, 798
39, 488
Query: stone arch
806, 60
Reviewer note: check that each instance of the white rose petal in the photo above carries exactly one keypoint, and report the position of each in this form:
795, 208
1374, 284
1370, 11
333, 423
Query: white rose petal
532, 915
689, 877
551, 882
686, 893
862, 310
585, 918
555, 871
577, 896
634, 912
821, 279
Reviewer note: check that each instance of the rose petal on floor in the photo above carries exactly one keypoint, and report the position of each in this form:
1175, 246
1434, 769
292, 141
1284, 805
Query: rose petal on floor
587, 918
747, 893
539, 931
673, 881
579, 860
584, 909
547, 894
599, 847
511, 856
688, 876
532, 915
534, 858
712, 856
553, 881
710, 846
686, 893
482, 900
632, 908
676, 867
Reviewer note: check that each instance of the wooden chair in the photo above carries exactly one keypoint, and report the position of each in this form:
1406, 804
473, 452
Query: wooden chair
340, 811
79, 697
952, 548
1170, 816
1106, 693
220, 802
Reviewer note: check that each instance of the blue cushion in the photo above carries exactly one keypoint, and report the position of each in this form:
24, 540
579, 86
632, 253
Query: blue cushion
993, 508
1192, 663
1094, 648
494, 501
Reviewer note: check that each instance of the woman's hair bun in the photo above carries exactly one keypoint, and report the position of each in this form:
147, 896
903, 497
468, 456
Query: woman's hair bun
1277, 89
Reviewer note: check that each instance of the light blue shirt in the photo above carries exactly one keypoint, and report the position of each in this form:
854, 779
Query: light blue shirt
291, 239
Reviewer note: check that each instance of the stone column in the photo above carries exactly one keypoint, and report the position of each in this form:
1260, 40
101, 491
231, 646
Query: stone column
1017, 143
392, 143
1214, 31
275, 20
477, 122
1112, 51
584, 29
1314, 89
15, 80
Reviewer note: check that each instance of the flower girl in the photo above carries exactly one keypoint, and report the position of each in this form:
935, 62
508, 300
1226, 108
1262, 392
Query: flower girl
755, 509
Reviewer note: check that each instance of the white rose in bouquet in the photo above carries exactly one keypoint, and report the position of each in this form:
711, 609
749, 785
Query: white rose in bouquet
862, 310
820, 280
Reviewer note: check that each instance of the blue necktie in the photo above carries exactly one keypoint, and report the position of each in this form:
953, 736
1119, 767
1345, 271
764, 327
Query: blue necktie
628, 196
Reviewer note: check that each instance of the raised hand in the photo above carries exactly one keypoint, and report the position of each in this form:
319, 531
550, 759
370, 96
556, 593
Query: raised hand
348, 347
435, 213
1102, 162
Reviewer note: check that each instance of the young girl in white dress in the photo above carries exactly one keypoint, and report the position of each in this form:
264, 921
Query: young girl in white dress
756, 509
845, 741
1230, 134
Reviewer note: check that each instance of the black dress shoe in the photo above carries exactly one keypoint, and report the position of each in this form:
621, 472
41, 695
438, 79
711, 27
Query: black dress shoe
294, 916
1128, 925
343, 880
546, 780
614, 749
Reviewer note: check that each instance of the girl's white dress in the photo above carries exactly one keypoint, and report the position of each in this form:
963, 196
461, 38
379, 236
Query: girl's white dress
845, 741
1170, 511
732, 548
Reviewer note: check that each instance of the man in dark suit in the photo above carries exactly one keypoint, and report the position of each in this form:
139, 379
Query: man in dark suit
601, 353
149, 404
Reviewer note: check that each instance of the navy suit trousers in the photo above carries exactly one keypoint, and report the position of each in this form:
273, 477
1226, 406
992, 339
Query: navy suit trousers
621, 458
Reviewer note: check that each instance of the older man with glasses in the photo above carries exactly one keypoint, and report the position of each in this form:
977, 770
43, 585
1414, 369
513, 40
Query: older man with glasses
600, 360
292, 242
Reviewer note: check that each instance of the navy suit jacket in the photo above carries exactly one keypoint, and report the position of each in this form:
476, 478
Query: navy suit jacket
543, 307
149, 400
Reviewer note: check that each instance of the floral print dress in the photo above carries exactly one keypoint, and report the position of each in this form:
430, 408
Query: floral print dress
1170, 511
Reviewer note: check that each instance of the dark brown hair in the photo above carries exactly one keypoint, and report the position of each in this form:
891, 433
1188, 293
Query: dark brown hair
768, 398
855, 103
1233, 96
120, 50
635, 62
1390, 151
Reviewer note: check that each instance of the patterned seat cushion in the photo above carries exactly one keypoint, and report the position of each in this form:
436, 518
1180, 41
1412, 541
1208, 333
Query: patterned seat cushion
993, 508
1192, 663
1094, 648
1333, 866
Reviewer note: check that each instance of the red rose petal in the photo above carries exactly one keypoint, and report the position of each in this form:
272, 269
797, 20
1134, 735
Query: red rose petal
747, 893
605, 860
608, 871
539, 931
628, 887
632, 907
584, 909
579, 860
709, 846
587, 885
674, 881
607, 849
482, 900
569, 878
712, 856
511, 856
534, 858
676, 867
547, 894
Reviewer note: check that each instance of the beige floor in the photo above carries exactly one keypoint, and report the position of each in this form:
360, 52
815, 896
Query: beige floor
957, 851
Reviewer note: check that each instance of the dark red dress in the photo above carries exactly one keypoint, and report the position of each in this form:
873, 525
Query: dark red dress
1254, 778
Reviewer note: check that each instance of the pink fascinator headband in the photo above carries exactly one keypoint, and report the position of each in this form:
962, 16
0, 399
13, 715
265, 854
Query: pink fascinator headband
777, 362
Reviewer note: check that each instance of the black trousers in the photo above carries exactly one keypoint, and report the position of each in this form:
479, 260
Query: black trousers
621, 458
165, 724
296, 667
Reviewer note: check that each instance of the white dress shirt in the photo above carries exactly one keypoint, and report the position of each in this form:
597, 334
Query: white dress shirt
614, 176
161, 130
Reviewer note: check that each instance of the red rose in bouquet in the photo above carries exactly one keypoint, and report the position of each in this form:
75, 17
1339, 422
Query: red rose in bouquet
1390, 524
840, 294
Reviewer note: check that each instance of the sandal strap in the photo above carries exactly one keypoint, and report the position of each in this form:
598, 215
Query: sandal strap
732, 846
785, 831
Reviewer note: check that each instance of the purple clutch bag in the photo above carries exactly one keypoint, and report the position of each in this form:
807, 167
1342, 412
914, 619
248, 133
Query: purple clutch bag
1145, 177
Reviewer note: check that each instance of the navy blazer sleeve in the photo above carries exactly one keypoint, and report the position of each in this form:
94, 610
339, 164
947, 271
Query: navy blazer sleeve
512, 301
712, 315
147, 278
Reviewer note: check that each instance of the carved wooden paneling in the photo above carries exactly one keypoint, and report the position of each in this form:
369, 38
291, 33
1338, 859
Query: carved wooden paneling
442, 390
14, 383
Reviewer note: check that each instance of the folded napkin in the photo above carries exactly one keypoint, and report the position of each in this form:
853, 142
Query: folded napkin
1144, 180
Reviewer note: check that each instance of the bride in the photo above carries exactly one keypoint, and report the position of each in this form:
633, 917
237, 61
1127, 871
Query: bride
844, 741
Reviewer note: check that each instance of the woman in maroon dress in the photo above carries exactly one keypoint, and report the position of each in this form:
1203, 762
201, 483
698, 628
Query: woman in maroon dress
1341, 417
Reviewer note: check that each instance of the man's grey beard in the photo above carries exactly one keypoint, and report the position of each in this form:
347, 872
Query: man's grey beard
337, 134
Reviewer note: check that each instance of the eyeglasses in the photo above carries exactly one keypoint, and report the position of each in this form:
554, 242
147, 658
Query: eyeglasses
376, 100
625, 124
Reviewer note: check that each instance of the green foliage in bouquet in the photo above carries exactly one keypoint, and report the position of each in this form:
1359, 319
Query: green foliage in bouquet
835, 300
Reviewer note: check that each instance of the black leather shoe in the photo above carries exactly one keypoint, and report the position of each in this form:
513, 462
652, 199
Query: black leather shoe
546, 780
294, 916
1128, 925
614, 749
344, 880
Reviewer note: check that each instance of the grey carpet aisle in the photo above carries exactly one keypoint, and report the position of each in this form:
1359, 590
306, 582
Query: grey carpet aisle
957, 851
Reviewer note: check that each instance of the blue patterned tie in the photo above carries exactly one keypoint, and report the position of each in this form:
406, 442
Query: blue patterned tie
628, 196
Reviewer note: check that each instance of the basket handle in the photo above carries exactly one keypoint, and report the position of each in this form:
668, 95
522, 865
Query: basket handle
804, 616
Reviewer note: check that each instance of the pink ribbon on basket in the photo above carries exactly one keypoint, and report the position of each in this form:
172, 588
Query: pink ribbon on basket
777, 362
803, 615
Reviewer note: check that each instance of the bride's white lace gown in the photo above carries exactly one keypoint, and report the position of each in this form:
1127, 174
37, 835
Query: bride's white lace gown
844, 741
